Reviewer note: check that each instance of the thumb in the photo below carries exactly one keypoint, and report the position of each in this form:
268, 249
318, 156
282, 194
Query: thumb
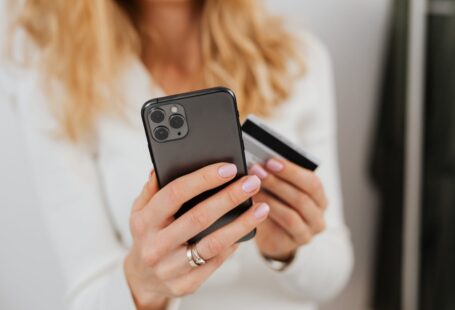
148, 191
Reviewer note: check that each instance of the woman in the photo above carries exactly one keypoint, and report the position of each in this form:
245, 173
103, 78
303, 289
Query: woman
97, 62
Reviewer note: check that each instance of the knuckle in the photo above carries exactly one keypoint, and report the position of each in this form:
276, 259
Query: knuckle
198, 218
205, 178
304, 237
314, 183
320, 225
150, 256
290, 220
160, 272
137, 224
214, 246
175, 192
232, 197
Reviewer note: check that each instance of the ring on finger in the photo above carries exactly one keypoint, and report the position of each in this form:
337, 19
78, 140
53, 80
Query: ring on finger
193, 257
197, 258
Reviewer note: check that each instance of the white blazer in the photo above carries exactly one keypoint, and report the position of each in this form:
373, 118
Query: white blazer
86, 194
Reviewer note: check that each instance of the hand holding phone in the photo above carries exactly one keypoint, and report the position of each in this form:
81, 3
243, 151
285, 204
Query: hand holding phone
199, 192
156, 267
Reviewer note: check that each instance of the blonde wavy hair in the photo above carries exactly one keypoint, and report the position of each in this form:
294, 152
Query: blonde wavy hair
84, 43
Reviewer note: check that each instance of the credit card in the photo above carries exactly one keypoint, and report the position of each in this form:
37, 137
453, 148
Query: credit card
262, 142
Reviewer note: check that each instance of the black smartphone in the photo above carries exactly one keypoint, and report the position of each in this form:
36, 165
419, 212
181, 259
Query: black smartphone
188, 131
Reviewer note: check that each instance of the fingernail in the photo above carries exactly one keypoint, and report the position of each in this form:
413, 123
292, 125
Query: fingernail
259, 171
274, 165
227, 170
261, 211
251, 184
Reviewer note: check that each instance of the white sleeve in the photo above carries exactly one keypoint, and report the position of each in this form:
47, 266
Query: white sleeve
70, 197
321, 268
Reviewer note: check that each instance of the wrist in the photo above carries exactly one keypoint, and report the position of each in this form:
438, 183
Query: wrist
279, 262
150, 302
280, 256
144, 299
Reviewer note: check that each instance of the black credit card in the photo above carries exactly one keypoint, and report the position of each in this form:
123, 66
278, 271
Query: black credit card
261, 143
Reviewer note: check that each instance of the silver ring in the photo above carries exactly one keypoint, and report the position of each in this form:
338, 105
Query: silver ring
189, 256
196, 257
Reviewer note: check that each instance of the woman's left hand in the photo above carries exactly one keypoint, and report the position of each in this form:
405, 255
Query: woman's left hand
297, 202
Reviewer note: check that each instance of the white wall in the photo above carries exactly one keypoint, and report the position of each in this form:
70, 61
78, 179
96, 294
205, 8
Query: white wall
352, 29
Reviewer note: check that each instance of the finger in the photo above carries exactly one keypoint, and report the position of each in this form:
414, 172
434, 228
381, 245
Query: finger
292, 196
221, 239
282, 189
208, 211
271, 201
150, 188
198, 218
312, 214
170, 198
307, 209
300, 177
190, 282
289, 220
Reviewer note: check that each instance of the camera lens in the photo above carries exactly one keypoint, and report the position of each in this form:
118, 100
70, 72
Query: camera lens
176, 121
161, 133
157, 116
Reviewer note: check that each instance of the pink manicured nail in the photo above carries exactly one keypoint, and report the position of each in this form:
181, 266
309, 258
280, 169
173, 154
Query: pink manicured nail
274, 165
261, 211
251, 184
227, 171
259, 171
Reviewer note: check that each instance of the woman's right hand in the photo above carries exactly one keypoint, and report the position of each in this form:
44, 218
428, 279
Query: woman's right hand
157, 267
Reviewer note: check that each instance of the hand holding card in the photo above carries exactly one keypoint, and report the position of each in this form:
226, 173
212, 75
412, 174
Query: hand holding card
289, 186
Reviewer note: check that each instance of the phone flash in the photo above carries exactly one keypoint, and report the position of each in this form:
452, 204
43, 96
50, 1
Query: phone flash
174, 109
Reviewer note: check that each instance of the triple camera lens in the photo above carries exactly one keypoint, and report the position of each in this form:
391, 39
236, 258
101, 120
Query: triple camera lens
176, 123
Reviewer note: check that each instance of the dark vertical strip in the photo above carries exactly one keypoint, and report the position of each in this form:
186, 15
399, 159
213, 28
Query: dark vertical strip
437, 272
388, 164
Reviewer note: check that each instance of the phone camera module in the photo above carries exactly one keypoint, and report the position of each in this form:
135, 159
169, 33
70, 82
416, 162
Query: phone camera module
176, 121
157, 116
161, 133
166, 123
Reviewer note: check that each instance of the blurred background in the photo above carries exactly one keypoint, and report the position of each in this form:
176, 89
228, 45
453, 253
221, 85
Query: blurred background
379, 118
